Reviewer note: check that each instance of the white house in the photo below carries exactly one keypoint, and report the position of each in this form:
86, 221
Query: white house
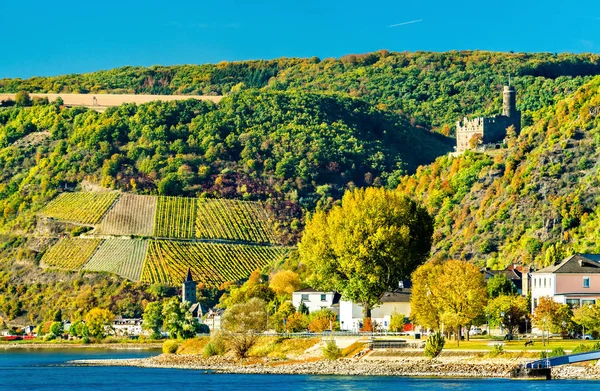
213, 318
316, 300
351, 314
126, 327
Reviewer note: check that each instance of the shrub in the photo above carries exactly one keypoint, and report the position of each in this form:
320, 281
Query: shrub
331, 350
170, 346
85, 340
596, 346
434, 345
215, 347
557, 352
498, 349
367, 325
581, 348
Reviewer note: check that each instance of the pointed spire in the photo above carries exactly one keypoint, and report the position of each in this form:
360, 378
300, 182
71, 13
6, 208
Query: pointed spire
189, 276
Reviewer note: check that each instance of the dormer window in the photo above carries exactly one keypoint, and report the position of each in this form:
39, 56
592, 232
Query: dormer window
586, 282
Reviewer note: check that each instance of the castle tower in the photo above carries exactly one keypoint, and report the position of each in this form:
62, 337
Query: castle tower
509, 102
188, 292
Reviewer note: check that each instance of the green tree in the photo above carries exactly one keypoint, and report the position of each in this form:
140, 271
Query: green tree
508, 311
178, 320
99, 321
587, 316
57, 329
23, 99
153, 319
242, 325
500, 285
367, 245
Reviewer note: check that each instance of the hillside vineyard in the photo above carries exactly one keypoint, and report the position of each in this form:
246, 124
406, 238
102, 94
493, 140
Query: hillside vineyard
156, 239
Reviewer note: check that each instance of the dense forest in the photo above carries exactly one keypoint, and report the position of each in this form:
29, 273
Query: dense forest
431, 89
297, 133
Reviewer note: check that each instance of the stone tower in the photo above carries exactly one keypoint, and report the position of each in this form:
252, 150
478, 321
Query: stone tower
188, 292
509, 106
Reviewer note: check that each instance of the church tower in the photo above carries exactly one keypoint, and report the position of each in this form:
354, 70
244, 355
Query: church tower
188, 292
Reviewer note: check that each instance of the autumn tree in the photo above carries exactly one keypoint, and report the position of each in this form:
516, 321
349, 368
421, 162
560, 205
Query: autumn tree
475, 140
98, 321
545, 314
424, 301
178, 320
396, 322
284, 283
367, 245
508, 311
453, 295
322, 320
243, 323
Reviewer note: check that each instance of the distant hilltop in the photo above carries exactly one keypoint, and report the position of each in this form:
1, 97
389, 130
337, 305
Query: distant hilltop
102, 101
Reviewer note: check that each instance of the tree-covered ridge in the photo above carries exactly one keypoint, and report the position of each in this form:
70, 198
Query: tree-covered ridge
433, 89
531, 203
291, 149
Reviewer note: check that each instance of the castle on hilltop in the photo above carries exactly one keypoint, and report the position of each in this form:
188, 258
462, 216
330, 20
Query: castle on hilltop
486, 130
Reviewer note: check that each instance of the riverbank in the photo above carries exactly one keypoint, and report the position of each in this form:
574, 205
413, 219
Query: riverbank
42, 345
464, 366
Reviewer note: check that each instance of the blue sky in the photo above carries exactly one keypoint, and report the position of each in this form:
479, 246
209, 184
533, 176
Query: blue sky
57, 37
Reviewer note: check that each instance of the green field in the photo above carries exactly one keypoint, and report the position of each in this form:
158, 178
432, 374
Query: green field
79, 207
124, 257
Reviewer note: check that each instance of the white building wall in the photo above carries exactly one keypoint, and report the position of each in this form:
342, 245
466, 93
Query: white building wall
313, 300
543, 285
352, 314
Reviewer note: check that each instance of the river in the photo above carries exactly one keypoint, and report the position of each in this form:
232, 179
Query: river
47, 369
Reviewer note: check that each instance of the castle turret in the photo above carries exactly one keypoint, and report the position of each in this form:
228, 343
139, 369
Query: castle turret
509, 102
188, 292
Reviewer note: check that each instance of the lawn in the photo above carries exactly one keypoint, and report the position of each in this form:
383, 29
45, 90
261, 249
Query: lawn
517, 345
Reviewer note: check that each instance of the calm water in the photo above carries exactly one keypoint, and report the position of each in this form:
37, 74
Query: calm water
43, 369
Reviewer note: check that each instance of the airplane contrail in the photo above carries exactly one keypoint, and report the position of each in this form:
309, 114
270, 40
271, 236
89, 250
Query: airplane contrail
405, 23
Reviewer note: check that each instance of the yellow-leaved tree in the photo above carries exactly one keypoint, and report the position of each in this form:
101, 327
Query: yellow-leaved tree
367, 245
284, 283
448, 295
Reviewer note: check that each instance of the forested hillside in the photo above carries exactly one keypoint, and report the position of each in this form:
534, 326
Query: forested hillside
432, 89
291, 149
531, 203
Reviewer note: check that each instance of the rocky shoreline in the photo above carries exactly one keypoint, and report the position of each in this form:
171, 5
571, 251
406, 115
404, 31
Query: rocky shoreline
414, 367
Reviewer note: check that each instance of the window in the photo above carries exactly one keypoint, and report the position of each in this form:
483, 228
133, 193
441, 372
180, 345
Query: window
544, 282
535, 282
573, 303
304, 297
323, 297
586, 282
588, 302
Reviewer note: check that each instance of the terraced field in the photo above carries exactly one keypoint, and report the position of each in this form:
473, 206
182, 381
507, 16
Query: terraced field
175, 217
124, 257
70, 253
131, 215
233, 220
211, 263
80, 207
